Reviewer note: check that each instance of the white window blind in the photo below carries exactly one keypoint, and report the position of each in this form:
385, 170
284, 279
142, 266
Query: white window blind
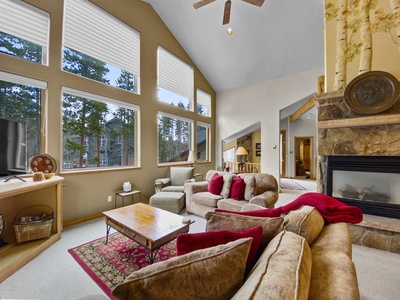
204, 99
24, 21
94, 32
175, 75
99, 98
22, 80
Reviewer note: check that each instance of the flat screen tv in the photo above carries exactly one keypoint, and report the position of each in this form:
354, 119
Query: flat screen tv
13, 157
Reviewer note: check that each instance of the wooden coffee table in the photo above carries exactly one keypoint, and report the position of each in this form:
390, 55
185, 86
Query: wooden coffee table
149, 226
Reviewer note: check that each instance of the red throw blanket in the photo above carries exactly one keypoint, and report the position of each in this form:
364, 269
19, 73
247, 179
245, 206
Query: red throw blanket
332, 210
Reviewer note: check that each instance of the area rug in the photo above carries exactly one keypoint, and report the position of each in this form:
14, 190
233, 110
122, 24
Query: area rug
108, 265
289, 184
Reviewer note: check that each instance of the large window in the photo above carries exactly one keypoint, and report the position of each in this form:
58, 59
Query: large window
21, 100
98, 132
107, 50
203, 103
174, 138
24, 31
203, 141
175, 80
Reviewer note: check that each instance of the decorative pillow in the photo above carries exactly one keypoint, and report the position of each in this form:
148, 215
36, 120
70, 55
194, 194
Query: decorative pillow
262, 213
211, 273
223, 221
226, 187
237, 189
250, 183
306, 221
215, 184
282, 272
189, 242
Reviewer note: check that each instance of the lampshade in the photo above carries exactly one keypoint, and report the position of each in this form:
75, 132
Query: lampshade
192, 157
241, 151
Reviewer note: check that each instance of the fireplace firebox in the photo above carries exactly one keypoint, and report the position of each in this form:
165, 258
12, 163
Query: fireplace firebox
371, 183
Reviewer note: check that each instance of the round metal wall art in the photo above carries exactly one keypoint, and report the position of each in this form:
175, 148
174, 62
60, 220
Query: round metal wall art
372, 92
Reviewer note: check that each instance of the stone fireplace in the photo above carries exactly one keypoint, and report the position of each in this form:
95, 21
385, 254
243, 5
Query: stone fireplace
359, 156
363, 148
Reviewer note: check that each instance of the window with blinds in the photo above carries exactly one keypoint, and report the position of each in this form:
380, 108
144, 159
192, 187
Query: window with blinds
203, 103
175, 80
24, 31
101, 47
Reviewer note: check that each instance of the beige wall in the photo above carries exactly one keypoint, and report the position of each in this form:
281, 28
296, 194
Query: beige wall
262, 102
385, 45
85, 194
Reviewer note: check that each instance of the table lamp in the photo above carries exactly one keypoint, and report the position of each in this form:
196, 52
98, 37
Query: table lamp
242, 152
192, 158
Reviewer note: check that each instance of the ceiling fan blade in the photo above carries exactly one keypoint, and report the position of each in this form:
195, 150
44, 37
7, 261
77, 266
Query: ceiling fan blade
227, 12
201, 3
258, 3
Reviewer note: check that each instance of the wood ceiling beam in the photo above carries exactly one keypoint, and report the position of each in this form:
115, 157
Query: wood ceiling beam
310, 103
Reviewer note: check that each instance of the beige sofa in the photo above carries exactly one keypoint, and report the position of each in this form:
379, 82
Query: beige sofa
261, 189
301, 257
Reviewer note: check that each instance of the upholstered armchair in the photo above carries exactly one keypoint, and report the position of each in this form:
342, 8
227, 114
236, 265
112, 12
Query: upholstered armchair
178, 176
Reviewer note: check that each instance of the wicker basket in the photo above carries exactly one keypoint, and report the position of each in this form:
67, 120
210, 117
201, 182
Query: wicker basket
33, 222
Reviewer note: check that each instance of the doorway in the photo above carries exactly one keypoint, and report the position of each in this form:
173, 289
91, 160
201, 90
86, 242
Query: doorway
303, 156
283, 153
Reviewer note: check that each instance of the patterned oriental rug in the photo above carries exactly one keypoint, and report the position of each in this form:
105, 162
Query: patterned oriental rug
289, 184
108, 265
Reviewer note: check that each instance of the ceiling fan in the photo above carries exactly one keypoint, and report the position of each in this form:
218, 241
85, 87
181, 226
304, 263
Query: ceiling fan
227, 9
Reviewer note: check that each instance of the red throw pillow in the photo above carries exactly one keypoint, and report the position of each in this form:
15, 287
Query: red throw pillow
215, 184
264, 213
237, 188
189, 242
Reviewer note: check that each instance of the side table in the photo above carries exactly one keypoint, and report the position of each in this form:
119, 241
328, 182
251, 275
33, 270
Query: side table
131, 194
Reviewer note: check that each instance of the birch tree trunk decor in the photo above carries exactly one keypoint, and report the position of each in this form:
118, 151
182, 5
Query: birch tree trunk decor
366, 36
396, 13
341, 47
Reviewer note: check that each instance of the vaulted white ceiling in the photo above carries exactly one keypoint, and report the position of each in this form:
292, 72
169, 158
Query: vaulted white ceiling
280, 38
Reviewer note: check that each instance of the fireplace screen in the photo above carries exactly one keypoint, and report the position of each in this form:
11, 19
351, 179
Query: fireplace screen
366, 186
369, 182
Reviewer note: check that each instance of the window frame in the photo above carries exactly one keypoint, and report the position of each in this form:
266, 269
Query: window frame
207, 139
37, 84
203, 99
190, 143
175, 76
105, 38
106, 100
27, 22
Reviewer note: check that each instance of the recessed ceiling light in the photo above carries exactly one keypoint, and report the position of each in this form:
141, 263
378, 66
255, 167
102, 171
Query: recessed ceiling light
229, 31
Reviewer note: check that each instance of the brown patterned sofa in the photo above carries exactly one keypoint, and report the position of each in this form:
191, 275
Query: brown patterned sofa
301, 257
261, 189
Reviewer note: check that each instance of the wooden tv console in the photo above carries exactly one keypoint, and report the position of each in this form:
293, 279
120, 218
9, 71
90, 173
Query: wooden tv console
16, 195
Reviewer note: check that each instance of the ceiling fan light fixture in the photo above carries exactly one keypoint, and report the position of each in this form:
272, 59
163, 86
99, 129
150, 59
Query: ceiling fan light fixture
229, 31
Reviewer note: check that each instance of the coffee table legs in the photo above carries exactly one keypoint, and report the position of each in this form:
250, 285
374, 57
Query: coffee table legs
108, 228
151, 254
